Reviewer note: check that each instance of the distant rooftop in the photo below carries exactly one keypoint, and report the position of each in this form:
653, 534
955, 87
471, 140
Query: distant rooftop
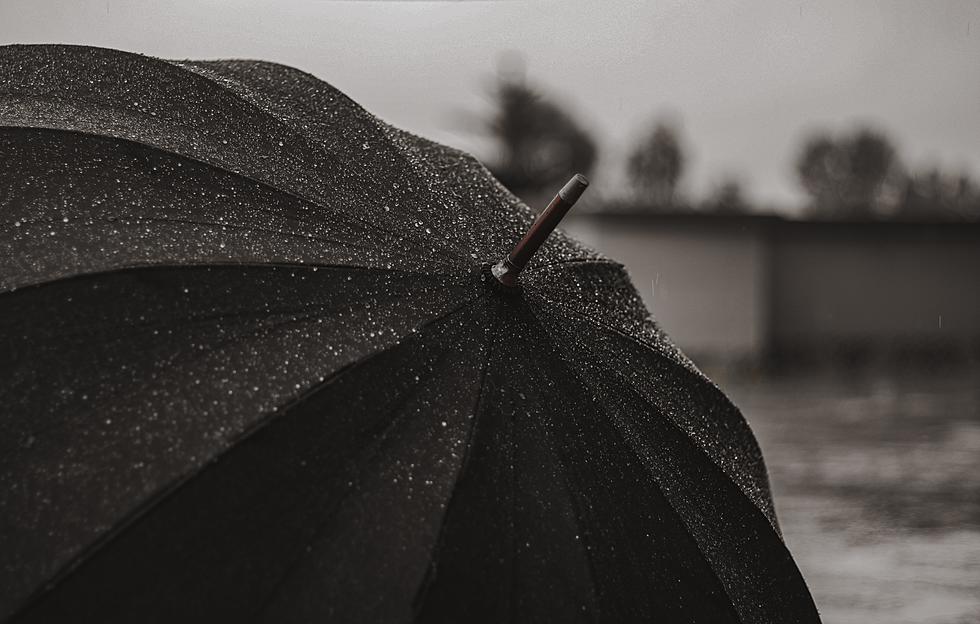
629, 214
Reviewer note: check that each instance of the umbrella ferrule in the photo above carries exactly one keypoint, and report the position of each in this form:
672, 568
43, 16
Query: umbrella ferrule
508, 270
573, 189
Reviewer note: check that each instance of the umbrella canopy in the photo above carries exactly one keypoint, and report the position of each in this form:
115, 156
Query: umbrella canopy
256, 369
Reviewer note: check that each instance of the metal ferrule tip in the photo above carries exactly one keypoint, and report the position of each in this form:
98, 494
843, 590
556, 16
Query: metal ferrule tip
574, 188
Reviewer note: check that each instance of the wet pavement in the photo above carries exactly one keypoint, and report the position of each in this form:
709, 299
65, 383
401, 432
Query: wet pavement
877, 486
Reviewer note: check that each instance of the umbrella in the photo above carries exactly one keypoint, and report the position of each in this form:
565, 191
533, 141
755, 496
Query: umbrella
264, 361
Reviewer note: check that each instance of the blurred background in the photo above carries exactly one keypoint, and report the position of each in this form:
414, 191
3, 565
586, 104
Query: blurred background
793, 186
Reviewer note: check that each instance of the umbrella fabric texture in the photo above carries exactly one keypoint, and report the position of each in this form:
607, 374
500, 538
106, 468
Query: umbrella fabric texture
255, 369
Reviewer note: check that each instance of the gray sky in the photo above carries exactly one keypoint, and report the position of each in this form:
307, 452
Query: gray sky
746, 81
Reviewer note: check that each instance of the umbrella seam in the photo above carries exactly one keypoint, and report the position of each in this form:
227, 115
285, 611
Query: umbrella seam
674, 358
422, 592
222, 264
174, 357
396, 235
375, 446
709, 384
231, 340
134, 218
177, 356
257, 230
635, 452
380, 125
755, 509
559, 264
689, 441
142, 510
576, 511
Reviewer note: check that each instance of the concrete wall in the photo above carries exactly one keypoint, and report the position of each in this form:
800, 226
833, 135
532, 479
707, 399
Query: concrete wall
878, 284
744, 287
704, 281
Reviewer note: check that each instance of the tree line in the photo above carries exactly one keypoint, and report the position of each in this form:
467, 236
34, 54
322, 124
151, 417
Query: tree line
854, 175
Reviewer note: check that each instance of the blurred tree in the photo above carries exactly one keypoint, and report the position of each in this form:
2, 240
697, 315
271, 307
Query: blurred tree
656, 166
931, 195
540, 145
820, 168
727, 198
845, 177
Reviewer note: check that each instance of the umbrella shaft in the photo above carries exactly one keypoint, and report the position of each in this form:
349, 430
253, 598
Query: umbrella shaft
508, 269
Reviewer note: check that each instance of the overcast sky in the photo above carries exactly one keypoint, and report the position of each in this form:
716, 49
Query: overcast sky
746, 81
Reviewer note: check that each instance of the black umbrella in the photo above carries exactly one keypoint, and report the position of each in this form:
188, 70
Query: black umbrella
256, 368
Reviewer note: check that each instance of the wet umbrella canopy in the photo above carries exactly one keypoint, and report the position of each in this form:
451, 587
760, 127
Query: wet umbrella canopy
255, 368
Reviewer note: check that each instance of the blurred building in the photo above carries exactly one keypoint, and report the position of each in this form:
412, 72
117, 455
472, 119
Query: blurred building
748, 289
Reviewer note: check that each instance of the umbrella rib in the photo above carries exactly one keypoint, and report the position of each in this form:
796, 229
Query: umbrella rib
259, 230
395, 235
215, 263
387, 430
175, 486
697, 375
208, 71
221, 224
256, 100
579, 261
676, 514
297, 318
265, 329
672, 357
764, 520
430, 574
297, 314
753, 508
372, 450
227, 341
573, 371
686, 364
576, 508
398, 137
511, 521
